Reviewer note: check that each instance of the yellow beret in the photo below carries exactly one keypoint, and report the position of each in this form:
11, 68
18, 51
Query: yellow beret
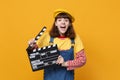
58, 11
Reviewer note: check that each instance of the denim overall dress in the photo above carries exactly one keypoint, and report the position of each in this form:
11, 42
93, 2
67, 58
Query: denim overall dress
57, 72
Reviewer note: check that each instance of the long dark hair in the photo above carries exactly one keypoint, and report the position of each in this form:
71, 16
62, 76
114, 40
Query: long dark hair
70, 31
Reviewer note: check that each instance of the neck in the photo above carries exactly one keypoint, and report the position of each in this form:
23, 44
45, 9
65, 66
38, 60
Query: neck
62, 36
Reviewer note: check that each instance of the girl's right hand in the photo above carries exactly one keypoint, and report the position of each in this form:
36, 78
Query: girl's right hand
31, 42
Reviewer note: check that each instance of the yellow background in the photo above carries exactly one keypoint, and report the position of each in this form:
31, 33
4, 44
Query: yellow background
97, 22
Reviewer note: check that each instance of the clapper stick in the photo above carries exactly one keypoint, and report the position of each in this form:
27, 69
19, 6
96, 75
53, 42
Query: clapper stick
36, 38
40, 33
41, 58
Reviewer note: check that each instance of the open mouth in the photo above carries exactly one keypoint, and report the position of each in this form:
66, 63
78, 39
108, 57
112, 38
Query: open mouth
63, 27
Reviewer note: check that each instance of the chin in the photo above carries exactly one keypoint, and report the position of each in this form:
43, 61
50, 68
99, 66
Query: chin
63, 32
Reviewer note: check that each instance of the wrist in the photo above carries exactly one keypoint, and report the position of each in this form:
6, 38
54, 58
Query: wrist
65, 64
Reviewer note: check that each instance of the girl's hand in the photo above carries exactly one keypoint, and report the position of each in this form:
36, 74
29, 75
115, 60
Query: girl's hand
64, 64
31, 42
60, 60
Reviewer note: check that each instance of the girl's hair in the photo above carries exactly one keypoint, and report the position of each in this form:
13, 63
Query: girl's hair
70, 31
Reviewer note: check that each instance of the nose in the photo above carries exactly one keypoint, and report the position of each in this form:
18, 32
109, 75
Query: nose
63, 21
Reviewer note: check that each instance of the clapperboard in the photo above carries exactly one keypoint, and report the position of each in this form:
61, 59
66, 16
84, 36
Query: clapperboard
44, 57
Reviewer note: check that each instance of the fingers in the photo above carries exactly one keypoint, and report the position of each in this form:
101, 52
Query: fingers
59, 56
31, 42
60, 60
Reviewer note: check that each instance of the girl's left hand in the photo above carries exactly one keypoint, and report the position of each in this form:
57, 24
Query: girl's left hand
60, 60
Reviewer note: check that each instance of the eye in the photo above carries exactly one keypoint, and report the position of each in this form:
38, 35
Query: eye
59, 20
66, 20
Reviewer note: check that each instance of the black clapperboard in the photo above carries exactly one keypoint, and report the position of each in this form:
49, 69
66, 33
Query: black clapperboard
44, 57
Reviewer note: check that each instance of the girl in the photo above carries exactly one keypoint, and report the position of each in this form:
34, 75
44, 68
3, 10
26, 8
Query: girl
68, 42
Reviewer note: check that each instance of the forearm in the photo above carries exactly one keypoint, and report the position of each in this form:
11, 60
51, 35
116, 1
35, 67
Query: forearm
79, 61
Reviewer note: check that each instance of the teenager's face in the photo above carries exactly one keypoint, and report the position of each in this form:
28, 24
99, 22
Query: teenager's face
62, 25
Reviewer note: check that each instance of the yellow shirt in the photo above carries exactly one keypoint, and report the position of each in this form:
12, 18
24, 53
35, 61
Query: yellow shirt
63, 44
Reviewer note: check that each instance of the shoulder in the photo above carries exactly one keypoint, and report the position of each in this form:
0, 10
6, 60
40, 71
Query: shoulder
78, 44
77, 38
45, 35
